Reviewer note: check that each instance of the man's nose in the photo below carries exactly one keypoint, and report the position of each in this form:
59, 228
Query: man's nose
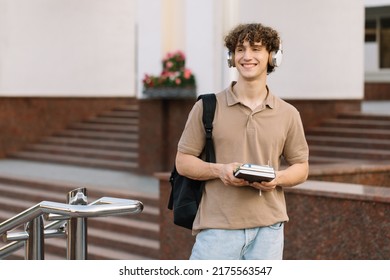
248, 54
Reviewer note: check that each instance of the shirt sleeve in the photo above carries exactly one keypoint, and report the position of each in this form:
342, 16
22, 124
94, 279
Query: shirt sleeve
296, 149
192, 139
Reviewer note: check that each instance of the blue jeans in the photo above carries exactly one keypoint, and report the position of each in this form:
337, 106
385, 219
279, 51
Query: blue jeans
261, 243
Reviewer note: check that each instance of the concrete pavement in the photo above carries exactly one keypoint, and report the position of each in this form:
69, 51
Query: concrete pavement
82, 176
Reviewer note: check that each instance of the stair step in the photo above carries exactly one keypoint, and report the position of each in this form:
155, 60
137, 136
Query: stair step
360, 115
65, 187
357, 153
85, 152
326, 160
350, 132
116, 121
57, 249
357, 123
34, 195
94, 162
98, 135
348, 142
127, 107
127, 224
92, 143
105, 127
120, 241
120, 114
102, 253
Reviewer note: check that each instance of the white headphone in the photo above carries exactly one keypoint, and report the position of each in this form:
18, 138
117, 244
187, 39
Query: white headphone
275, 57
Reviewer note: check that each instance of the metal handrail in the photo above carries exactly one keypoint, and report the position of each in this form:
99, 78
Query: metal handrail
62, 213
122, 206
18, 243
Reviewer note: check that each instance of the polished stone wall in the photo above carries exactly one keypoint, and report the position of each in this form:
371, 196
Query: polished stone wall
328, 221
377, 91
337, 221
374, 173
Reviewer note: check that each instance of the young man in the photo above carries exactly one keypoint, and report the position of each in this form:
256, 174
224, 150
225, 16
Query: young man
238, 219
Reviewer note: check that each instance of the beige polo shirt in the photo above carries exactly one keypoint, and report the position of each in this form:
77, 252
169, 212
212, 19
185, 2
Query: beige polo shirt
261, 136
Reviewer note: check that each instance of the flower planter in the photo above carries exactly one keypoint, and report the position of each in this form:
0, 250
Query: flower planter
172, 93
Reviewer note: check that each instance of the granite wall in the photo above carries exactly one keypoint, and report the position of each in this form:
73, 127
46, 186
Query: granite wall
328, 221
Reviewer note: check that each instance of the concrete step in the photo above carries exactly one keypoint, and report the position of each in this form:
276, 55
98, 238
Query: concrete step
351, 153
352, 136
357, 123
350, 132
76, 160
116, 121
109, 140
332, 159
360, 115
64, 187
91, 143
348, 142
124, 128
84, 152
98, 135
120, 114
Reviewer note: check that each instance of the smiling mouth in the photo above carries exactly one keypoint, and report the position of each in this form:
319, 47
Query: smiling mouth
248, 65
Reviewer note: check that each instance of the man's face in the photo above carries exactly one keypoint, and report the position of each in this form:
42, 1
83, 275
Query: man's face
251, 60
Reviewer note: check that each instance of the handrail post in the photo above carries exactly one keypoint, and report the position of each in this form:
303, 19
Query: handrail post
34, 245
77, 228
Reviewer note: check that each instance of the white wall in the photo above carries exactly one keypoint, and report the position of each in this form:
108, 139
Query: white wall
67, 47
376, 3
203, 43
323, 46
103, 48
148, 40
371, 57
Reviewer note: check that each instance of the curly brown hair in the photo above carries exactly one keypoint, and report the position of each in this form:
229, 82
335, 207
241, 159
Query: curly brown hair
254, 33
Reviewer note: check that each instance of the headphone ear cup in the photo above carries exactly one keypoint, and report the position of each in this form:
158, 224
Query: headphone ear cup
230, 60
275, 58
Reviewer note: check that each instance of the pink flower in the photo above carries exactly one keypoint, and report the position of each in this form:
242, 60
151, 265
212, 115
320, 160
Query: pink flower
187, 73
181, 54
169, 64
178, 81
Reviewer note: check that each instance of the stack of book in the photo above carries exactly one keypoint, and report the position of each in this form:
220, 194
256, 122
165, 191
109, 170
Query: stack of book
255, 173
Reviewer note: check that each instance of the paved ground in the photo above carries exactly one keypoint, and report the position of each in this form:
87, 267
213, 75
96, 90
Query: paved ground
378, 107
80, 175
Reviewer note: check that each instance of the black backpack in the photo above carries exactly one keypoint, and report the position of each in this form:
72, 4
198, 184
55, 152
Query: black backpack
187, 193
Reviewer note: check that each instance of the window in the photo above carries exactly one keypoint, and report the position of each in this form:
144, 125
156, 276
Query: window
370, 33
385, 43
377, 34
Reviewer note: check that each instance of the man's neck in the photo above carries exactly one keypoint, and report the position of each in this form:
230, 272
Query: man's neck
251, 93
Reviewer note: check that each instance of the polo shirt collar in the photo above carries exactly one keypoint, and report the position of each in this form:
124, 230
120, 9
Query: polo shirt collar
232, 98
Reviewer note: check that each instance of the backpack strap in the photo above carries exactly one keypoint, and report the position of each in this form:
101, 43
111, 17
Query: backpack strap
209, 104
